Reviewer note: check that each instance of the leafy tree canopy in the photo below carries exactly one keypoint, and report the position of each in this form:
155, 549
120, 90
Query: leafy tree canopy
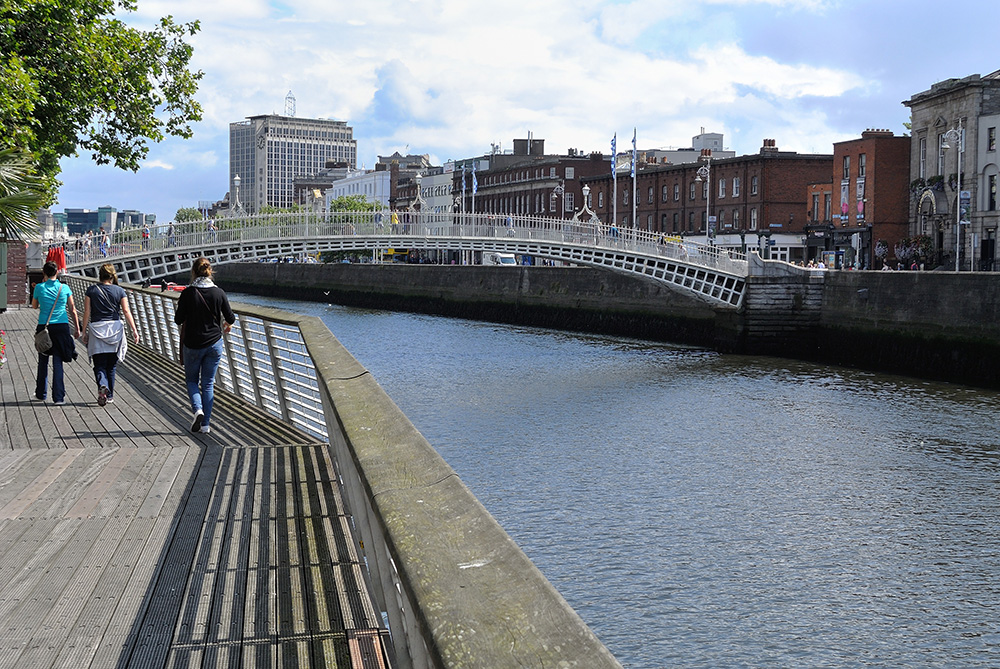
351, 203
73, 76
187, 214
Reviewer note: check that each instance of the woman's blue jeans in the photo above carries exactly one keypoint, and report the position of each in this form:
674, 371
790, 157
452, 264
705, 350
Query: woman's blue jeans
200, 367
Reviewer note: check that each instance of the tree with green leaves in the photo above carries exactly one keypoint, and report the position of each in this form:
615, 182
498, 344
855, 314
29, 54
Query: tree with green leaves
187, 214
74, 76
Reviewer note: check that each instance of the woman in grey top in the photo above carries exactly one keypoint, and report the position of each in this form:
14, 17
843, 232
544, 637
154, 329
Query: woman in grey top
103, 331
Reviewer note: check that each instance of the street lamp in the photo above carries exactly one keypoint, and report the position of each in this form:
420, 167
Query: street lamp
560, 190
955, 135
705, 174
237, 207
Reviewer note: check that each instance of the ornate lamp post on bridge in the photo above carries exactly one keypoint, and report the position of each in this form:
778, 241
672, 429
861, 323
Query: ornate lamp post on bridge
705, 174
560, 190
956, 135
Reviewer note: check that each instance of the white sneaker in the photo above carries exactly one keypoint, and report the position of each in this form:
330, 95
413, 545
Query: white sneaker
205, 429
199, 416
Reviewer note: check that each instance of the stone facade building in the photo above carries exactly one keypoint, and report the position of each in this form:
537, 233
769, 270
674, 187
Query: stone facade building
947, 174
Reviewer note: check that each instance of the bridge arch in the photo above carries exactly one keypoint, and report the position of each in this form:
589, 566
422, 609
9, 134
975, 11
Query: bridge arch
715, 275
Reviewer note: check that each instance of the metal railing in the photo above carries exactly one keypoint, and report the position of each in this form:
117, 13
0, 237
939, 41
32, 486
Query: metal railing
380, 230
265, 363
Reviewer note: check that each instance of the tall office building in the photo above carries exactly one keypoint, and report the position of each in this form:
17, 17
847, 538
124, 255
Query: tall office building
269, 152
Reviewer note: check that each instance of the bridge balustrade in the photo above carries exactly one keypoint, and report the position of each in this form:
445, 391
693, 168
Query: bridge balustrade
706, 271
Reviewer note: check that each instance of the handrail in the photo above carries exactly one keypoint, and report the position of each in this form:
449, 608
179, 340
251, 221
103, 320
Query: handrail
455, 588
413, 229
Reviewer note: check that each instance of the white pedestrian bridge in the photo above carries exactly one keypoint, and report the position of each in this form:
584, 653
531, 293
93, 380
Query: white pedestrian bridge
706, 272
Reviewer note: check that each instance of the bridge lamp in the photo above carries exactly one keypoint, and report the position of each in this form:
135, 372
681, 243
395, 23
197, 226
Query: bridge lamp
955, 135
705, 174
556, 192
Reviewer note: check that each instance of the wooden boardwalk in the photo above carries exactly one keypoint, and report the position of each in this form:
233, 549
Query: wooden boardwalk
127, 541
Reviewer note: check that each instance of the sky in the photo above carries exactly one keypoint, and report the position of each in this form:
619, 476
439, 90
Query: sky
450, 78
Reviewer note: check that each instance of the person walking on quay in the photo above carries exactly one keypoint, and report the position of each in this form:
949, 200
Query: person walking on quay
103, 331
54, 302
204, 314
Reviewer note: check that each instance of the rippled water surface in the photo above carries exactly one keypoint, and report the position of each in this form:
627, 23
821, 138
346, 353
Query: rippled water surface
703, 510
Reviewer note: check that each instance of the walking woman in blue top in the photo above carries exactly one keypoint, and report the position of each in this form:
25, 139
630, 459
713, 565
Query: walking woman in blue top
204, 313
52, 297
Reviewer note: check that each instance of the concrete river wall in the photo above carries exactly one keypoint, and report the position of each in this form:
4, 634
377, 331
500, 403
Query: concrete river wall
934, 325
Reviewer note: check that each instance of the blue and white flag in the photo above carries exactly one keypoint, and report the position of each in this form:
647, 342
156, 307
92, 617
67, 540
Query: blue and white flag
614, 153
475, 182
633, 153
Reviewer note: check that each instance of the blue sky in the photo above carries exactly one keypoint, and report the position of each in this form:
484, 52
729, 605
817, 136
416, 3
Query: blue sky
450, 77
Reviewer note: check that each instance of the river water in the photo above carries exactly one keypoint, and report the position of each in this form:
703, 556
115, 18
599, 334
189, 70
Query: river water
708, 510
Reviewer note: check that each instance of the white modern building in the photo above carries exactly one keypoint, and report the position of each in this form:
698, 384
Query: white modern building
373, 185
267, 153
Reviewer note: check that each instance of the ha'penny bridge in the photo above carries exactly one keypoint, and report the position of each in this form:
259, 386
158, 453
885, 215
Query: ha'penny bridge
705, 272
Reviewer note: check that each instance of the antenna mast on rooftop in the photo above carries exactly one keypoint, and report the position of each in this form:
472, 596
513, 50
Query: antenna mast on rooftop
289, 104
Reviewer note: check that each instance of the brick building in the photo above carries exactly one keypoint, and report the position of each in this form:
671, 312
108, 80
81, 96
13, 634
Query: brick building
528, 182
756, 200
865, 201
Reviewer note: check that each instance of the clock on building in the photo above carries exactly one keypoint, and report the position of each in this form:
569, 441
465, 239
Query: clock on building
261, 141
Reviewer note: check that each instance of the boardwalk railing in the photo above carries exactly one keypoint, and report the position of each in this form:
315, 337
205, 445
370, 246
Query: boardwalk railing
454, 587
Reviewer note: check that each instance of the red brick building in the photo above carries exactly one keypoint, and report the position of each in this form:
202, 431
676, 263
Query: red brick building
524, 183
757, 201
869, 201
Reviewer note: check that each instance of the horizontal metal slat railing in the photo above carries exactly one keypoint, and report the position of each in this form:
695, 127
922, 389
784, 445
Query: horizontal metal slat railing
265, 363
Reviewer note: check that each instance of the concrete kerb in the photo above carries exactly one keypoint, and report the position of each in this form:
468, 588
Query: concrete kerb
467, 596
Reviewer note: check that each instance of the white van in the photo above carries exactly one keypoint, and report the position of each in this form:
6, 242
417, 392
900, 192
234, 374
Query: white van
493, 258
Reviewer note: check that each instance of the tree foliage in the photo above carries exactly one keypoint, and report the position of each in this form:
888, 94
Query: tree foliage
74, 76
21, 194
351, 203
187, 214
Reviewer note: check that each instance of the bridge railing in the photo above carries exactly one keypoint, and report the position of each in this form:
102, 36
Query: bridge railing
412, 228
455, 588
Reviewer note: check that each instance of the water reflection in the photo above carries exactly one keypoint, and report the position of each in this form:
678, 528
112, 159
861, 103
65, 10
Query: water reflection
707, 510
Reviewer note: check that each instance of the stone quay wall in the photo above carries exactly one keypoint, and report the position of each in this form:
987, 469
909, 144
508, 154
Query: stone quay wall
934, 325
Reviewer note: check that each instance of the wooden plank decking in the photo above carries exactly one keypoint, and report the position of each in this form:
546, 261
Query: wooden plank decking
127, 541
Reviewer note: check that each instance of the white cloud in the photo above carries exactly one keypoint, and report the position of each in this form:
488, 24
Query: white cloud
156, 164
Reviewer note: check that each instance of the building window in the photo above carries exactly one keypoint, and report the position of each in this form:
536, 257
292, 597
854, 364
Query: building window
753, 218
677, 192
753, 185
722, 188
650, 198
847, 167
570, 172
815, 210
862, 160
722, 219
736, 186
704, 190
677, 218
600, 199
569, 202
664, 194
991, 194
692, 190
827, 204
940, 165
991, 139
736, 218
649, 221
552, 173
625, 196
690, 221
663, 223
